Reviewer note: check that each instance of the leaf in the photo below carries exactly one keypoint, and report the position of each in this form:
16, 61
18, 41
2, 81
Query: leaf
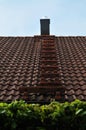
3, 112
78, 111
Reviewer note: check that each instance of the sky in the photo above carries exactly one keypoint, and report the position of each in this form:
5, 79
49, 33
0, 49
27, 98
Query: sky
22, 17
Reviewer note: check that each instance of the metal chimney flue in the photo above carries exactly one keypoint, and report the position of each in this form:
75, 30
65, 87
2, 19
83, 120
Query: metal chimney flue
45, 26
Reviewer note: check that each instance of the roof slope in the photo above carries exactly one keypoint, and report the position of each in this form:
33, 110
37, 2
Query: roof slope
20, 59
71, 52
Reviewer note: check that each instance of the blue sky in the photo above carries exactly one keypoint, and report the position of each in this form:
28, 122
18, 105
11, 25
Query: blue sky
22, 17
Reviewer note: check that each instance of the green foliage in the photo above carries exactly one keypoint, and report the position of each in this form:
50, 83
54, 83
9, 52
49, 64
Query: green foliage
19, 115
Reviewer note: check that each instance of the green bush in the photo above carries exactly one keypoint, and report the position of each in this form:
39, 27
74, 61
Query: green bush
19, 115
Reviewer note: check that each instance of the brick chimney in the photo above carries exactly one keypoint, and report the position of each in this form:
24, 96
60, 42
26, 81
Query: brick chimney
45, 26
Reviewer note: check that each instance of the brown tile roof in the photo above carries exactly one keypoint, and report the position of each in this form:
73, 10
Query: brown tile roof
55, 66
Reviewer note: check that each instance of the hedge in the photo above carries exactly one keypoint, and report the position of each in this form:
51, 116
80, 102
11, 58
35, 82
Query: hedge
19, 115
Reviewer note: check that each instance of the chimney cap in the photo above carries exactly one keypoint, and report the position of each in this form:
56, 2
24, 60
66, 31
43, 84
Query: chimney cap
45, 17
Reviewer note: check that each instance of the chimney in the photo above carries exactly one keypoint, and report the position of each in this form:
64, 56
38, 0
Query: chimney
45, 26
